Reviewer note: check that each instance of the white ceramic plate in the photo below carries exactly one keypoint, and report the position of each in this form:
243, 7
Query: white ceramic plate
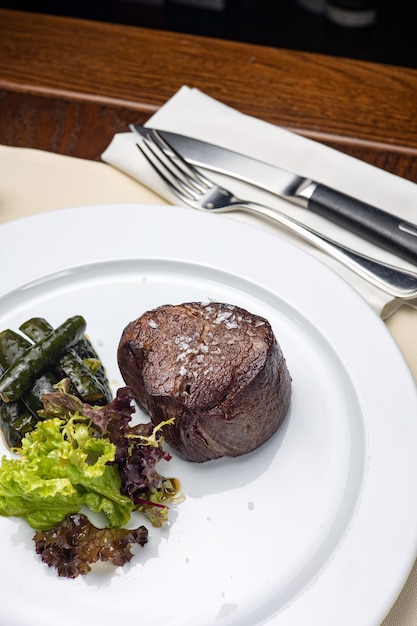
317, 527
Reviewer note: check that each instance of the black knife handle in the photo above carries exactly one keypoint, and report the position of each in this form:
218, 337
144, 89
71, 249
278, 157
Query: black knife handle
367, 221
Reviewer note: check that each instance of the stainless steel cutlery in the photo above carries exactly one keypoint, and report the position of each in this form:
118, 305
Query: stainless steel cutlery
369, 222
195, 189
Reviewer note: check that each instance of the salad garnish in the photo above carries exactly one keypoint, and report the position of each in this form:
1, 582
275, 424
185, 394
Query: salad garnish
78, 455
75, 448
75, 544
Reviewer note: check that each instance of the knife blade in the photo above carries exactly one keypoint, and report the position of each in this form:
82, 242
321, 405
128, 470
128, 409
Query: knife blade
369, 222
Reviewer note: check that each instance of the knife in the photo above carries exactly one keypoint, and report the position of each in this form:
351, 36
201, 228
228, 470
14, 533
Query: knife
367, 221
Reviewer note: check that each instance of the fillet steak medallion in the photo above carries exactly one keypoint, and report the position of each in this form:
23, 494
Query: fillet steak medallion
216, 368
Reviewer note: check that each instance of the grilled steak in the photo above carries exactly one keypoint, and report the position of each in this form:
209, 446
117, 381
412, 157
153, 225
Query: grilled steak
216, 368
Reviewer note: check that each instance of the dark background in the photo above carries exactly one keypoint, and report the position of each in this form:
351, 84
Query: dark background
279, 23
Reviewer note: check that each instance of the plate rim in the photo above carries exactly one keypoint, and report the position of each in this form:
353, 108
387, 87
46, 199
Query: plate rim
362, 314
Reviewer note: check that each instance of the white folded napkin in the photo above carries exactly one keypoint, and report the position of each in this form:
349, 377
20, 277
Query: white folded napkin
193, 113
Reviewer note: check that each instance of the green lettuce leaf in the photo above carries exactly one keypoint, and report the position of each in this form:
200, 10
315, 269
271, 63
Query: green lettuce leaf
62, 465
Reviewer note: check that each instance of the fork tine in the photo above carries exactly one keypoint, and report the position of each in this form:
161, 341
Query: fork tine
187, 182
166, 172
177, 167
187, 168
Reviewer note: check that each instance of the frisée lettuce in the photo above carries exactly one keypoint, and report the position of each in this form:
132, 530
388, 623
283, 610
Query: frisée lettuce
79, 455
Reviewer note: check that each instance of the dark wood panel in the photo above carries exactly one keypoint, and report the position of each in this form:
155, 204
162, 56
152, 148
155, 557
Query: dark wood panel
142, 68
70, 127
84, 129
278, 23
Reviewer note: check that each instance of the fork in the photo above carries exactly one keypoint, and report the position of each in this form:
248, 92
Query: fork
194, 189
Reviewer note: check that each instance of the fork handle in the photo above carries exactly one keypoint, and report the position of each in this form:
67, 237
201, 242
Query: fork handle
396, 282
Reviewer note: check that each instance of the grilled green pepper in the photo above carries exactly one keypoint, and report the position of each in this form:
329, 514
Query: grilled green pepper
39, 357
12, 347
87, 384
15, 421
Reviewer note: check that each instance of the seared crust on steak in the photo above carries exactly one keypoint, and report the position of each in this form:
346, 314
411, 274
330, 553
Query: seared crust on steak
216, 368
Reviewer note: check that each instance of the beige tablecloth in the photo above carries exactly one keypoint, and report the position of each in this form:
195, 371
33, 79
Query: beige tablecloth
33, 182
